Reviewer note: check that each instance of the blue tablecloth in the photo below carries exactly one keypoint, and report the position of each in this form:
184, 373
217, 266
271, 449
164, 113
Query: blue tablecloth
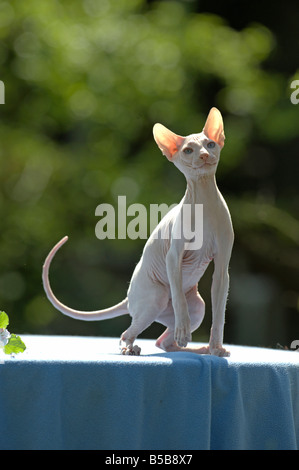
79, 393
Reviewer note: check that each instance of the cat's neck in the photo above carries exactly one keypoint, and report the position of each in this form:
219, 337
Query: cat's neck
202, 189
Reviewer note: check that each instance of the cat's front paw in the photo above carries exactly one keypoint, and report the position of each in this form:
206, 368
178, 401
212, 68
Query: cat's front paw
183, 334
219, 351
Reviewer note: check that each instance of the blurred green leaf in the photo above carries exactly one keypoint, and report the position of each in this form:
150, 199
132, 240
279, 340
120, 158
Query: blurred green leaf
15, 345
4, 320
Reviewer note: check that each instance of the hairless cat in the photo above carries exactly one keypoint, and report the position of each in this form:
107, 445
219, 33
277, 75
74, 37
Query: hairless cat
163, 287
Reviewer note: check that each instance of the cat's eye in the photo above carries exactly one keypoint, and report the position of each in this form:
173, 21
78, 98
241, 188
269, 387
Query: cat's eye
188, 150
211, 145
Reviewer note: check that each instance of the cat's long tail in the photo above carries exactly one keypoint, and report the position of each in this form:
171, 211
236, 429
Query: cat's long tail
116, 311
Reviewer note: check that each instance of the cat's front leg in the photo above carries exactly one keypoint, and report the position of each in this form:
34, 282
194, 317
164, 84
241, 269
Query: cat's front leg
220, 286
182, 334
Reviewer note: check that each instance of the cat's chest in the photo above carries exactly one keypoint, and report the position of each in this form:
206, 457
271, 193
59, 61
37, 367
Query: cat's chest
198, 260
195, 263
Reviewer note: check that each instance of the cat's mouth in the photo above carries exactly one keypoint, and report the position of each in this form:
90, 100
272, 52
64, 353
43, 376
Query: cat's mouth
197, 167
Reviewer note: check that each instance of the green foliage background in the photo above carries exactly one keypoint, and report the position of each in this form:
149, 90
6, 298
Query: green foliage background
84, 83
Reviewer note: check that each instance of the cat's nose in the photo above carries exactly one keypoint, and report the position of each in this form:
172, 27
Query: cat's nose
204, 156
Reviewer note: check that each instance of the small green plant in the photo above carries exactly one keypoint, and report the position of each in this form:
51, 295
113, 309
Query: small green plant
10, 343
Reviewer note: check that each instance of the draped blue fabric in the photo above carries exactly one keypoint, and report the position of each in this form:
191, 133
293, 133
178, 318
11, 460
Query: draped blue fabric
79, 393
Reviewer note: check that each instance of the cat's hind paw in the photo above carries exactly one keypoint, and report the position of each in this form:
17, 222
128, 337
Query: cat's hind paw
131, 350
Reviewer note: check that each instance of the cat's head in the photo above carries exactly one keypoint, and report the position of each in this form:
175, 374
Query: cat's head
197, 154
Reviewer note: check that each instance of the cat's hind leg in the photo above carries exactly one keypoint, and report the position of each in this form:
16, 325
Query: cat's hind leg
144, 311
167, 342
126, 343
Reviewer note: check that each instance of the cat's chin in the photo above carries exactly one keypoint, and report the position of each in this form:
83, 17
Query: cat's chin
204, 170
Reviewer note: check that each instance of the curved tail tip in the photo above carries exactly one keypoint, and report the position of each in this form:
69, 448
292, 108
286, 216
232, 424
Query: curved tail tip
53, 252
59, 244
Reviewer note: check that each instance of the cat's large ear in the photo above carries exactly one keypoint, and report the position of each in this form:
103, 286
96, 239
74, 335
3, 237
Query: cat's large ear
167, 141
213, 128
